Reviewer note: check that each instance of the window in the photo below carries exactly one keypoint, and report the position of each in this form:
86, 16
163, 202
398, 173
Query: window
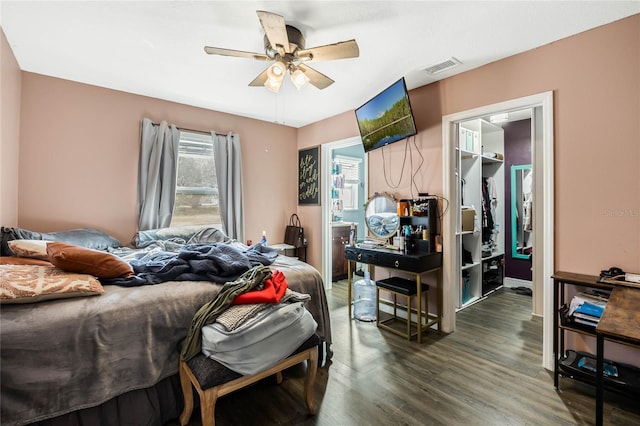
350, 196
197, 185
350, 170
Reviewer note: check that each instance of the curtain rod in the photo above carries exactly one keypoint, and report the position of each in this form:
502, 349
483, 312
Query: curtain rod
191, 130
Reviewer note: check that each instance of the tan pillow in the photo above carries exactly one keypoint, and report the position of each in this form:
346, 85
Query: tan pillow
72, 258
35, 283
36, 249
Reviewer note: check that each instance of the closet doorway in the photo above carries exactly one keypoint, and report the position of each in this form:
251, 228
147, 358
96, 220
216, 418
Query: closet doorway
344, 192
541, 107
496, 183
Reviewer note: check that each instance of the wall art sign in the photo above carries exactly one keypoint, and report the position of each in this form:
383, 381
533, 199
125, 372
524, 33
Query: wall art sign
309, 176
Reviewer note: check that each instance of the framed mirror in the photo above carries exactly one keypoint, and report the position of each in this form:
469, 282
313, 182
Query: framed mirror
381, 216
521, 211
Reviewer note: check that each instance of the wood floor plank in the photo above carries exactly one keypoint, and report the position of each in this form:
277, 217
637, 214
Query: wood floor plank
488, 372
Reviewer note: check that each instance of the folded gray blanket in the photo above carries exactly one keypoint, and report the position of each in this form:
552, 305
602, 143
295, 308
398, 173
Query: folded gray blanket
236, 315
211, 310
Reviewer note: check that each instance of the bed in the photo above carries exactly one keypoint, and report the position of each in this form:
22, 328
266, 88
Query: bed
114, 356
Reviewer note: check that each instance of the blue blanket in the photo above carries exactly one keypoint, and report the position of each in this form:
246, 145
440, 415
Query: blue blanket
216, 262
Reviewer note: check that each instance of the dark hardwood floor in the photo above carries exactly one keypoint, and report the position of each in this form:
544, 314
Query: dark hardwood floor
488, 372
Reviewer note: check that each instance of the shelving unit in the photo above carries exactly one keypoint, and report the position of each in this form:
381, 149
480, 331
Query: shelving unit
480, 256
337, 188
425, 219
566, 360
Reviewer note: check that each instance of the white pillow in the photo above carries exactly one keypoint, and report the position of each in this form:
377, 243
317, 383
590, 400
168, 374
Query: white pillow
36, 249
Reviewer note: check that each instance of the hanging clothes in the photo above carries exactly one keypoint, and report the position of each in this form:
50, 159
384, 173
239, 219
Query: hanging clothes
489, 200
527, 202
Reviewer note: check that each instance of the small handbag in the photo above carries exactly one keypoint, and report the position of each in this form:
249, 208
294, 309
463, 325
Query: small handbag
294, 233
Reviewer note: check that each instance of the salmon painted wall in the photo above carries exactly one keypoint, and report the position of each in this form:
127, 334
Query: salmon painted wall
79, 158
594, 77
10, 86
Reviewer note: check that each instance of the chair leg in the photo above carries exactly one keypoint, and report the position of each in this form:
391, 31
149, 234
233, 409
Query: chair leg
310, 378
395, 306
426, 307
208, 406
187, 392
279, 377
377, 306
409, 317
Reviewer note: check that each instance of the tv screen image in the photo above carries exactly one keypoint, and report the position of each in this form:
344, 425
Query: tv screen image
386, 118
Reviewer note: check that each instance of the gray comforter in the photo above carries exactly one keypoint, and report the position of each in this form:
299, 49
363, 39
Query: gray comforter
63, 355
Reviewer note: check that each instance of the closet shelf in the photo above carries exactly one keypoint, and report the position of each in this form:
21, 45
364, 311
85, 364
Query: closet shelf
470, 265
493, 256
489, 160
479, 143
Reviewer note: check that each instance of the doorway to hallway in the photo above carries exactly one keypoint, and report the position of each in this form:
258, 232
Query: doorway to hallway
344, 193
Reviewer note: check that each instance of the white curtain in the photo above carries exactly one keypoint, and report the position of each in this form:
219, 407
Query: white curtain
228, 160
157, 173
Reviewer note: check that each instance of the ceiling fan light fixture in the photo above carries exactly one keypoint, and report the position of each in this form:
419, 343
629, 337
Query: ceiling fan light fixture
273, 85
285, 45
275, 74
276, 71
299, 78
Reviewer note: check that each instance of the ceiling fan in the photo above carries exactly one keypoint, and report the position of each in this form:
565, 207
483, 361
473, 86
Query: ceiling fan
285, 45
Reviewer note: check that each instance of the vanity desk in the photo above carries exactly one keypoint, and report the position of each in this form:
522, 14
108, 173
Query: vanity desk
415, 263
383, 218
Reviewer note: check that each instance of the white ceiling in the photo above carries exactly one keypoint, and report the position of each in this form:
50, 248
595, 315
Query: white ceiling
155, 48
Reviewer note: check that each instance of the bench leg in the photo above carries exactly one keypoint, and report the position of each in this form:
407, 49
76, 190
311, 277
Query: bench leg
187, 393
208, 406
310, 378
409, 317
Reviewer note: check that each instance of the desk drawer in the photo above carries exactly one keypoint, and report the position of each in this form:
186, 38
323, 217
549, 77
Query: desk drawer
417, 262
411, 263
399, 261
358, 255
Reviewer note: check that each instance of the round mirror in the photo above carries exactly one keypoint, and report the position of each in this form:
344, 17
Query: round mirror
381, 216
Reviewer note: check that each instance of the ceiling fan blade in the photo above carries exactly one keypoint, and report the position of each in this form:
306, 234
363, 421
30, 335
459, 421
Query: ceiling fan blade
260, 79
340, 50
275, 29
235, 53
316, 78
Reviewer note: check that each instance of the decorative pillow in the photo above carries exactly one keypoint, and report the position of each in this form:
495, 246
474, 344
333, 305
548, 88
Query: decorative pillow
85, 237
71, 258
36, 249
178, 234
35, 283
208, 234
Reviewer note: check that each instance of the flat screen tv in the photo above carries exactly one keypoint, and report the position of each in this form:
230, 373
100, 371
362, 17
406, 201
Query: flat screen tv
386, 118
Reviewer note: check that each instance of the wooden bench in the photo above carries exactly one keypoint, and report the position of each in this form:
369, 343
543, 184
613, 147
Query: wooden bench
212, 380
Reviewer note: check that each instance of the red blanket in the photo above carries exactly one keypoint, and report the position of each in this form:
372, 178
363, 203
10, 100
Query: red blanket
272, 291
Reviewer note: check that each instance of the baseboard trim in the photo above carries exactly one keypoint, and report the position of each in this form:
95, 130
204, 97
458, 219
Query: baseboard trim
517, 282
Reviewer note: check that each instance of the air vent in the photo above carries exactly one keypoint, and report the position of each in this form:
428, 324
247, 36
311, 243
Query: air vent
443, 66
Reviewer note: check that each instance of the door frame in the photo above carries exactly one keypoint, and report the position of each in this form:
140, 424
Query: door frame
543, 209
326, 154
